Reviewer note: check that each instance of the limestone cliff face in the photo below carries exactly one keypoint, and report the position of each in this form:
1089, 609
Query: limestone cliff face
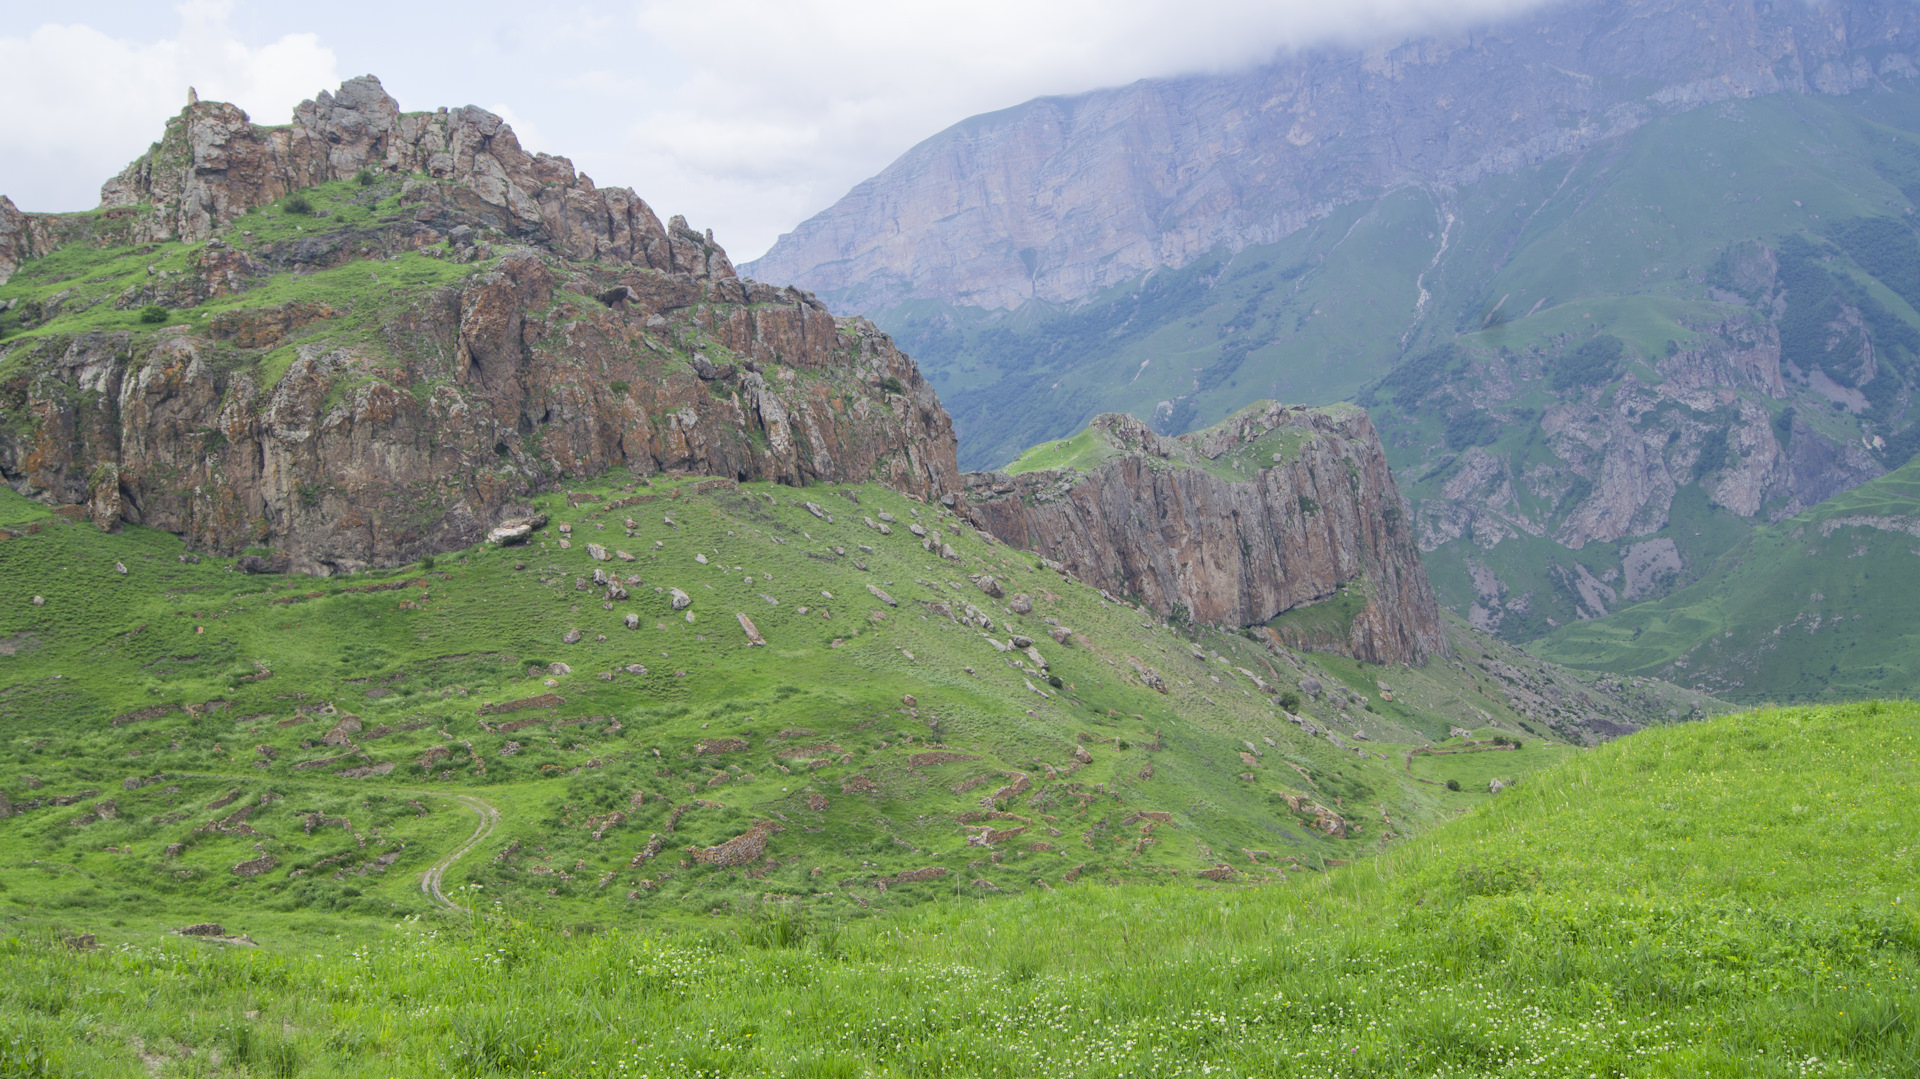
1061, 196
1275, 509
398, 425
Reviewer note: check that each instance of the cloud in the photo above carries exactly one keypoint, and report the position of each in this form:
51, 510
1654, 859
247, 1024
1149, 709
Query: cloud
77, 104
782, 105
744, 115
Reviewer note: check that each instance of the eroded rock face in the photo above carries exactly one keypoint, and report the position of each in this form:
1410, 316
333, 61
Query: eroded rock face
570, 354
214, 163
994, 211
1172, 521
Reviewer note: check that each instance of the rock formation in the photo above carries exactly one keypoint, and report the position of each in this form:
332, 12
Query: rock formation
586, 337
1061, 196
1276, 509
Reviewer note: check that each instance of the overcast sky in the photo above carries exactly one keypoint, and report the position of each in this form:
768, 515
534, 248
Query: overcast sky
745, 115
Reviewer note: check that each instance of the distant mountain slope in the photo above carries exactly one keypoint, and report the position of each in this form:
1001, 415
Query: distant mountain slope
1061, 196
1823, 605
1753, 264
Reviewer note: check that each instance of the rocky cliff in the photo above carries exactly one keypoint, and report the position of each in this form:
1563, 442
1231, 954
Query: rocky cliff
1277, 509
388, 364
1063, 195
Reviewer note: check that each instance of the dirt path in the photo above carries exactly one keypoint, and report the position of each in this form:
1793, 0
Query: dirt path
489, 819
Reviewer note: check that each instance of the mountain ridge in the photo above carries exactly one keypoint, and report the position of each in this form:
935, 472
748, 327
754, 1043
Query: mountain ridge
1063, 195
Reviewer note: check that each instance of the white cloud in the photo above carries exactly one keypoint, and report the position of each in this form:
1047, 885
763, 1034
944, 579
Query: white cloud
744, 115
77, 104
782, 105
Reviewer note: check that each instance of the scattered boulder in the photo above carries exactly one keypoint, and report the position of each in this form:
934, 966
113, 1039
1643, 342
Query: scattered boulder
1060, 634
681, 601
633, 621
515, 530
1021, 603
120, 568
635, 668
597, 552
1022, 642
202, 929
700, 558
39, 601
255, 867
1310, 686
558, 669
753, 634
273, 563
817, 511
883, 597
572, 637
991, 587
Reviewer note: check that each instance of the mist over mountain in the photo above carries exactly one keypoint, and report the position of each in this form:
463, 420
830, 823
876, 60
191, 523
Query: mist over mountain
1061, 196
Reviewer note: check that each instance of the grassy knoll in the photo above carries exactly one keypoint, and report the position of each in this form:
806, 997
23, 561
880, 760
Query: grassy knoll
1731, 897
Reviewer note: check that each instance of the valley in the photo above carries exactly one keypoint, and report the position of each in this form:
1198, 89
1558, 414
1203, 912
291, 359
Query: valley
453, 623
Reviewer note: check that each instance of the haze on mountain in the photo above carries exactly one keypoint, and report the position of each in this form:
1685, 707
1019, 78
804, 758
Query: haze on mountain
1618, 281
745, 117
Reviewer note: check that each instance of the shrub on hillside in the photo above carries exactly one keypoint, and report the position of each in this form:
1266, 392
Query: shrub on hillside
153, 314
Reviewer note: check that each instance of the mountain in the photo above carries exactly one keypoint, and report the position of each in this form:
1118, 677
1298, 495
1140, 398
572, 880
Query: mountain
1237, 525
1595, 363
1062, 196
370, 335
1819, 606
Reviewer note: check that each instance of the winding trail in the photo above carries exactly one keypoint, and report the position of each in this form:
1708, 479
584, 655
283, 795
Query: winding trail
489, 819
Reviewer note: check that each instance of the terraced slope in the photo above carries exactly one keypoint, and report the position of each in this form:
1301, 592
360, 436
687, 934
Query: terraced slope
286, 755
1730, 897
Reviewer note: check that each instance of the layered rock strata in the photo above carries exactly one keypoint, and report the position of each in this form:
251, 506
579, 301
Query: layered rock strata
1061, 196
1276, 509
356, 431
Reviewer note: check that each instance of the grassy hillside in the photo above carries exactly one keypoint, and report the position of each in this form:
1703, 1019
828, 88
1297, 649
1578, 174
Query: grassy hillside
1821, 606
287, 756
1731, 897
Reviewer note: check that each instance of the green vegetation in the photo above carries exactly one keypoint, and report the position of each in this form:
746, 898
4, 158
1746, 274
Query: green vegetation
1081, 453
1733, 897
1820, 606
348, 718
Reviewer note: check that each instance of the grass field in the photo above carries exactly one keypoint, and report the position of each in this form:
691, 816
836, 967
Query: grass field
286, 756
1727, 898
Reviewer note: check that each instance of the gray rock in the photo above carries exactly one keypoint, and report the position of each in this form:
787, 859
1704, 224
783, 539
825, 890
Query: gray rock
1021, 603
572, 637
681, 601
1060, 634
991, 587
597, 552
633, 621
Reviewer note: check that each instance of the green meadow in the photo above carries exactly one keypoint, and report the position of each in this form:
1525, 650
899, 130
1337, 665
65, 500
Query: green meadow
1730, 897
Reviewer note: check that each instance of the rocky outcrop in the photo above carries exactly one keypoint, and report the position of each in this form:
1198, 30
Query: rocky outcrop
416, 422
214, 163
1276, 509
1061, 196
